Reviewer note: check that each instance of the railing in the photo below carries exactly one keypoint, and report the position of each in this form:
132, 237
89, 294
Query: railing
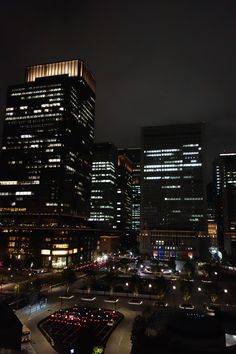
116, 294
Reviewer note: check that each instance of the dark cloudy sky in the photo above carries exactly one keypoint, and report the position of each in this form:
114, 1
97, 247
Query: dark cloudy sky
155, 62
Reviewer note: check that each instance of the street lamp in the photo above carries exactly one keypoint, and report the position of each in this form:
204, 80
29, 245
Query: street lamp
225, 291
174, 287
150, 286
126, 284
199, 289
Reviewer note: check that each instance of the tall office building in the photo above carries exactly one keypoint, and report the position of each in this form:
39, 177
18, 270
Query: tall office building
45, 165
134, 155
211, 217
104, 186
124, 200
172, 192
225, 190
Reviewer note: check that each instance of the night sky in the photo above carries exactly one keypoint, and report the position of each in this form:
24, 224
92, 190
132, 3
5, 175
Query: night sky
155, 62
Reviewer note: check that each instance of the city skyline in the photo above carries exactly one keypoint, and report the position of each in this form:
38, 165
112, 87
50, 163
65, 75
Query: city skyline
149, 73
118, 177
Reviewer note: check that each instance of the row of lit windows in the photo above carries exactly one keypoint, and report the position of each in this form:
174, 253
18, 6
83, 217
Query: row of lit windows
200, 198
12, 183
171, 187
34, 116
161, 151
103, 181
178, 163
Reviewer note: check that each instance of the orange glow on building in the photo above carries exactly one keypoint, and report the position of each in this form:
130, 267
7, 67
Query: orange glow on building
72, 68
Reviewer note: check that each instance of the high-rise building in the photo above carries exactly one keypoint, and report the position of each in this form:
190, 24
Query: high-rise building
211, 219
134, 155
124, 200
172, 192
225, 190
104, 186
45, 165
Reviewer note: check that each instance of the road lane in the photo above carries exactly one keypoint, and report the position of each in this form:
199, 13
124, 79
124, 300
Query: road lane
119, 341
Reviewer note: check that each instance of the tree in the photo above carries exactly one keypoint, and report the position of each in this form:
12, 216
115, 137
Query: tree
111, 280
135, 283
156, 268
186, 288
97, 350
189, 267
139, 327
172, 264
90, 279
160, 287
68, 277
206, 269
35, 288
214, 292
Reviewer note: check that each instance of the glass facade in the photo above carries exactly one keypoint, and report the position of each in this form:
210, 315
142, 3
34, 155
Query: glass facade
104, 186
124, 200
172, 178
172, 193
134, 154
46, 155
225, 190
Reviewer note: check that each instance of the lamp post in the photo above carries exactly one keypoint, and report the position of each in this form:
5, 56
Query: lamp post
174, 288
226, 292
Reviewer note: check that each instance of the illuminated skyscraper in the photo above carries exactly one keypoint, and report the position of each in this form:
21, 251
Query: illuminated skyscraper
124, 200
225, 190
45, 166
104, 186
134, 155
172, 197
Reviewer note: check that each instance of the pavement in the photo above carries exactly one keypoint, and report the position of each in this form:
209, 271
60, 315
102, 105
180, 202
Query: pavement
119, 341
31, 318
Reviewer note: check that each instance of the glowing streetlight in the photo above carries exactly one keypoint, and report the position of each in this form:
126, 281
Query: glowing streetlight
126, 284
225, 291
150, 285
174, 287
199, 289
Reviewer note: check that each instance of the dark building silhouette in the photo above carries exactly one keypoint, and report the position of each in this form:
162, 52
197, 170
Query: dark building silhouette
124, 200
10, 329
45, 164
225, 191
134, 155
172, 192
